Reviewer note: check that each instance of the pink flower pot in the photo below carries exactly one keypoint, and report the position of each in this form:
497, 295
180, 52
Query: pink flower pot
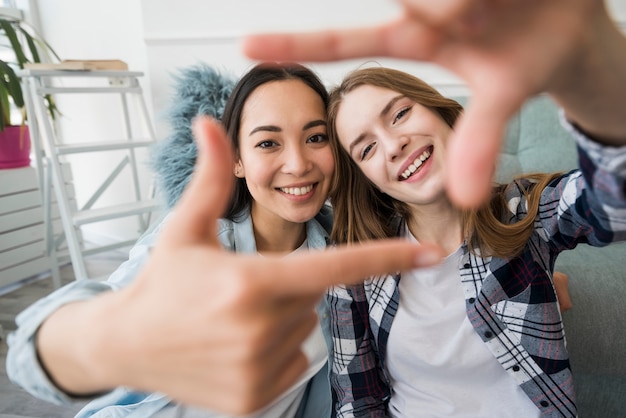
14, 147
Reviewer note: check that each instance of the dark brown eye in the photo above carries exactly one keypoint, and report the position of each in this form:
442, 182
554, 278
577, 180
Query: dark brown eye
401, 114
366, 150
266, 144
318, 138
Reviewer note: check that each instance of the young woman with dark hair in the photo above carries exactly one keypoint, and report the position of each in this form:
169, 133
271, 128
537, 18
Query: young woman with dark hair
275, 119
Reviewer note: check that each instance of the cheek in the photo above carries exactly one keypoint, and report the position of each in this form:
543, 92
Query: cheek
258, 173
327, 162
376, 172
380, 185
440, 159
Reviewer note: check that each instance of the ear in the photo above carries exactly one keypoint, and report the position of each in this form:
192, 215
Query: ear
238, 170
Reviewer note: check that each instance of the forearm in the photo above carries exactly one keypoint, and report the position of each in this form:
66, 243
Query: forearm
591, 87
74, 346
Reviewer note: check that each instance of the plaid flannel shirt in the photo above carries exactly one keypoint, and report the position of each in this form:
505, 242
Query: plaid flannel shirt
511, 303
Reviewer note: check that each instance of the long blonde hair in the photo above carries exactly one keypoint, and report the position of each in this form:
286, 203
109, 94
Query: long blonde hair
362, 212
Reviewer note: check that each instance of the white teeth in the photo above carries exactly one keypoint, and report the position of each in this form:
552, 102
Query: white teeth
296, 191
416, 164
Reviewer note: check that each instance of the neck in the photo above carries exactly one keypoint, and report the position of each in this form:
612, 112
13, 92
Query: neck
439, 224
276, 235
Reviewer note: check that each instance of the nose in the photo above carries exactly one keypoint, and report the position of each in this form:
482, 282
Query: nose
394, 146
296, 161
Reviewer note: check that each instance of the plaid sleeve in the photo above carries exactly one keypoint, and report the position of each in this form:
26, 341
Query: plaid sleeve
357, 385
587, 205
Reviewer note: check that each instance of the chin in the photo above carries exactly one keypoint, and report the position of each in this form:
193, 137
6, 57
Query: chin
302, 216
303, 219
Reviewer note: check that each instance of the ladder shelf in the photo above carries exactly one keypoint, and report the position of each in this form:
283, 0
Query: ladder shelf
52, 150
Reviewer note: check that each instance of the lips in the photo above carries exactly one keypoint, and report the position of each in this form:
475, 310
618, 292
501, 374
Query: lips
415, 166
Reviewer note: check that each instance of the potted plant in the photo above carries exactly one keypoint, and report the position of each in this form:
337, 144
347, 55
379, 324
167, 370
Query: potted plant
26, 47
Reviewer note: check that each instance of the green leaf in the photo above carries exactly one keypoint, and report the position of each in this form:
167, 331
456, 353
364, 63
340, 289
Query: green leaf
5, 105
30, 32
13, 85
23, 39
9, 31
9, 87
31, 45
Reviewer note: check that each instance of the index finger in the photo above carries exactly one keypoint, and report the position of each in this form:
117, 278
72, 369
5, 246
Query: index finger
314, 272
401, 38
328, 45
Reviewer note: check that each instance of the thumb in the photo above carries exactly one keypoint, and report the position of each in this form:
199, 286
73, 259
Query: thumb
207, 193
473, 149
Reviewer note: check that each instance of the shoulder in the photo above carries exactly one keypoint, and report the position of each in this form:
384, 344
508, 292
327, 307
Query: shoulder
237, 234
318, 229
515, 194
226, 233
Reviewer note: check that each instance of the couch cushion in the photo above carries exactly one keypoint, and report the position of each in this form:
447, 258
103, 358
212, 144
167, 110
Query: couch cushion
534, 141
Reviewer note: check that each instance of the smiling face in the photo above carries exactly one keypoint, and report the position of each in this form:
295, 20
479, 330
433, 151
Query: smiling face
284, 154
397, 143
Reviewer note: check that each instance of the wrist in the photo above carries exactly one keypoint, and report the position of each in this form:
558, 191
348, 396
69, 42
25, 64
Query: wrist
590, 86
72, 348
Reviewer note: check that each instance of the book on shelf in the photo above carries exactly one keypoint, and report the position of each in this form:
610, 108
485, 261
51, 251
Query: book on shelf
79, 65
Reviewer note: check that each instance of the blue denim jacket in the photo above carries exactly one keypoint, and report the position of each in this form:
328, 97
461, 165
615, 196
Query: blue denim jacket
24, 369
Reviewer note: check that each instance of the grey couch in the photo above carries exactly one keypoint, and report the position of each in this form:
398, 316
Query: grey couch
594, 327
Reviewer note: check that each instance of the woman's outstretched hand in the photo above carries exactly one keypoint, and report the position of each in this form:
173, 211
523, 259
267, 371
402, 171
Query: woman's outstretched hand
506, 51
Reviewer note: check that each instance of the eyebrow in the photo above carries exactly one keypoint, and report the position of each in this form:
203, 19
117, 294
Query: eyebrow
274, 128
314, 123
382, 113
265, 128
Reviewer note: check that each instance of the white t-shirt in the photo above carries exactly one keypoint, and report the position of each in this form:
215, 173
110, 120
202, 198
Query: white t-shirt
438, 365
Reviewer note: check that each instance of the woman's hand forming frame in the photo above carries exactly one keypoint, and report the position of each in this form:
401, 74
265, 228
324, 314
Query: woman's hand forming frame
506, 51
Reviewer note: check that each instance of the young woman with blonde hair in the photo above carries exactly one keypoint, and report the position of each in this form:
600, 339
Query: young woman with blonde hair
481, 334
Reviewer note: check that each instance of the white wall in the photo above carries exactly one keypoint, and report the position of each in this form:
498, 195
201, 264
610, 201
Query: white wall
160, 37
112, 29
175, 40
617, 9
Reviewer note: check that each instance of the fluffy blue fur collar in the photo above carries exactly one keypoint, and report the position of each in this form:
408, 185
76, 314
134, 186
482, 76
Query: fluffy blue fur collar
199, 90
